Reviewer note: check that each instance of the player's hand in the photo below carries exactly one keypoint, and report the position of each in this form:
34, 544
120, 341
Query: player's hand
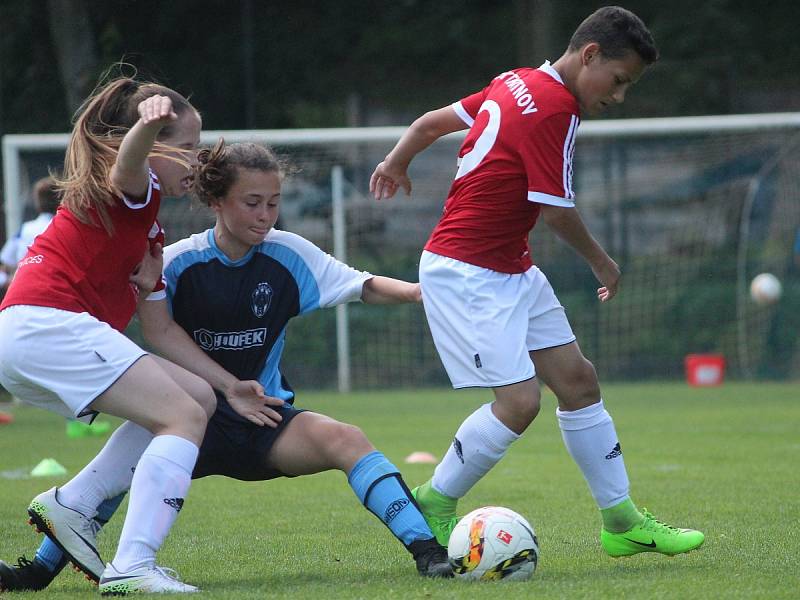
157, 110
609, 275
247, 398
147, 273
386, 180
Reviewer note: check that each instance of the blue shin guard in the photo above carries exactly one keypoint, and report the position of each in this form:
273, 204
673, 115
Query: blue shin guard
379, 486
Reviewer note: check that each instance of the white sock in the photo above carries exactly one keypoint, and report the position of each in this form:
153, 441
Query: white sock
109, 473
158, 490
592, 442
480, 442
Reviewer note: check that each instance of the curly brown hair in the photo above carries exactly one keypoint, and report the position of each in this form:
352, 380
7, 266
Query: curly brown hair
217, 168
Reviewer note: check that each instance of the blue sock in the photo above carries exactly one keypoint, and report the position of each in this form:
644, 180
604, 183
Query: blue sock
107, 508
50, 555
379, 486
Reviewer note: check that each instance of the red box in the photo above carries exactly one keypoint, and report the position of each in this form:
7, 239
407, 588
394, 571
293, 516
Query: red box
704, 369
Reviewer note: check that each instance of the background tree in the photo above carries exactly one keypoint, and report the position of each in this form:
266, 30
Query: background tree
73, 42
274, 64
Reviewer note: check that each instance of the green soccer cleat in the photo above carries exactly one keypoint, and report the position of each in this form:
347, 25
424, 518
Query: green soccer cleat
651, 535
74, 533
79, 429
439, 511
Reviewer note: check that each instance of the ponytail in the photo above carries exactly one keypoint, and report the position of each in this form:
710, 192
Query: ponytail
99, 126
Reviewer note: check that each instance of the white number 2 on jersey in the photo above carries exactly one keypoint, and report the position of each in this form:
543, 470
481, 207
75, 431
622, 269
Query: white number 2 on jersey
485, 140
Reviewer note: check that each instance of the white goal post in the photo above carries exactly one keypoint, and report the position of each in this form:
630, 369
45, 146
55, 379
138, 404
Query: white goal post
15, 144
691, 207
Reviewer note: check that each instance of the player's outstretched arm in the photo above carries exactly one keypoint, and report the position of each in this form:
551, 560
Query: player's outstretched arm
169, 340
129, 173
391, 174
385, 290
569, 226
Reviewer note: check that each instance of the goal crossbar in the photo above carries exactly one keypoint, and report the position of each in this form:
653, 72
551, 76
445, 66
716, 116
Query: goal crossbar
15, 144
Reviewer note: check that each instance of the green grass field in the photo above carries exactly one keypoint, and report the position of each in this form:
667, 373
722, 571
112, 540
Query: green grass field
725, 460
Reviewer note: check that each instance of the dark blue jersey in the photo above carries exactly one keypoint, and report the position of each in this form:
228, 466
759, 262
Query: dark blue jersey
237, 311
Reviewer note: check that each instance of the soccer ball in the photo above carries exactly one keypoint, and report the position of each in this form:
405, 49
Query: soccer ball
493, 543
765, 289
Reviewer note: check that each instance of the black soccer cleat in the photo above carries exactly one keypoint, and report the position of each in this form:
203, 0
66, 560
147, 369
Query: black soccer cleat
26, 575
431, 558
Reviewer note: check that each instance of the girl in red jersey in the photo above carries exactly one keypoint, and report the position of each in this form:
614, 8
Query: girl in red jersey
248, 279
62, 321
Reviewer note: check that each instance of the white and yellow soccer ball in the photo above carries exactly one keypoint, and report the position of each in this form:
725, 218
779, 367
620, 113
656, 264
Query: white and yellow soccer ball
493, 543
765, 289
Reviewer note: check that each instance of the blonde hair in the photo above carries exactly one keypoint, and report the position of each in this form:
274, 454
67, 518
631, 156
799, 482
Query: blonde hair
102, 121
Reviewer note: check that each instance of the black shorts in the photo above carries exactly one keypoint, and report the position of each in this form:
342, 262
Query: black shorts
239, 449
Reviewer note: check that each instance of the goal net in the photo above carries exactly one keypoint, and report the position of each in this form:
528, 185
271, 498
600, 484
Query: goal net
691, 208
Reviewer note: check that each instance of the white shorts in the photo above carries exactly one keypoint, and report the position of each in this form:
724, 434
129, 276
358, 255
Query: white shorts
484, 323
61, 360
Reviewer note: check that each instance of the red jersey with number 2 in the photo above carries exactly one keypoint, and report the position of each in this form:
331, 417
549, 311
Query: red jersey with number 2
81, 268
516, 156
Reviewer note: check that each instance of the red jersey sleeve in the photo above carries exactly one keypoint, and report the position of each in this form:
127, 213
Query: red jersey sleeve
138, 204
156, 236
467, 108
547, 155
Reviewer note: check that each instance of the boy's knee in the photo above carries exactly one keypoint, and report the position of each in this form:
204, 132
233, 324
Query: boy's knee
586, 379
582, 389
518, 410
529, 407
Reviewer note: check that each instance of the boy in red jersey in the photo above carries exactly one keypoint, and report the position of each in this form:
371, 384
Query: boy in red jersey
495, 319
74, 292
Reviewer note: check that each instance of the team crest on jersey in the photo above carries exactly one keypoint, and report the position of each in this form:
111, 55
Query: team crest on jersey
261, 299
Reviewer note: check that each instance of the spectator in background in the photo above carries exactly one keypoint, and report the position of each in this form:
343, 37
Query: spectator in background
46, 199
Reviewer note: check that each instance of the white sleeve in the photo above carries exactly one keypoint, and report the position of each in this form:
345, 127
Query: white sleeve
338, 283
152, 184
322, 280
